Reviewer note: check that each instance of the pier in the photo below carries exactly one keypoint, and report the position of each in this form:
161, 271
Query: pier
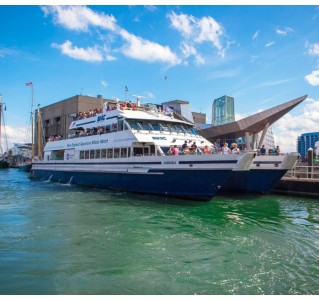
301, 180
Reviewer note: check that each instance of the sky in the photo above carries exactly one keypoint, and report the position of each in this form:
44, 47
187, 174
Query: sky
261, 55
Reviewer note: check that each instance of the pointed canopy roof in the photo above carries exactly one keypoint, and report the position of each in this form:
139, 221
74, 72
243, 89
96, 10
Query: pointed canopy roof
252, 124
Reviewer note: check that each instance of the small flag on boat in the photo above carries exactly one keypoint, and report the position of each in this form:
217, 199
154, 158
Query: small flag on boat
167, 110
29, 84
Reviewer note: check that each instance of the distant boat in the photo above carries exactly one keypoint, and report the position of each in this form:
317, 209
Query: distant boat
25, 167
3, 163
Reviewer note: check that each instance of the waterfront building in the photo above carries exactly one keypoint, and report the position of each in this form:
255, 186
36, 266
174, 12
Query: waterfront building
306, 141
182, 108
223, 110
199, 118
250, 126
57, 117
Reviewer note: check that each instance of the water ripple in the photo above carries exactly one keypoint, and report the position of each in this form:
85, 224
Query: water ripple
64, 239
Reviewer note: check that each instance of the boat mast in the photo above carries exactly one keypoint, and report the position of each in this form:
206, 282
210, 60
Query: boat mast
32, 121
38, 132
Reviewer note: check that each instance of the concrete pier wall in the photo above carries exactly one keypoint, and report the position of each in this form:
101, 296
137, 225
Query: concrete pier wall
295, 186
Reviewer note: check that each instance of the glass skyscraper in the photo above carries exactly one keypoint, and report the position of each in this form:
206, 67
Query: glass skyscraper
223, 111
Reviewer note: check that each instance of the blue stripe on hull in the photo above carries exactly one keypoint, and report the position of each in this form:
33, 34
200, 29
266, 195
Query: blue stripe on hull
196, 185
256, 181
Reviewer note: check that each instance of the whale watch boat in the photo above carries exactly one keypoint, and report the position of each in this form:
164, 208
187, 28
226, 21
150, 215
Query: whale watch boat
127, 150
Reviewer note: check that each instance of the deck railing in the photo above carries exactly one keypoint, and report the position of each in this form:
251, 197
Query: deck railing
303, 171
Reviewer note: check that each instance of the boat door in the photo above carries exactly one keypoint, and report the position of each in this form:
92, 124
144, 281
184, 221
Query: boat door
143, 149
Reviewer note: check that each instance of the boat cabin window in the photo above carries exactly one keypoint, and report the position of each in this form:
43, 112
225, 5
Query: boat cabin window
140, 151
155, 126
109, 153
120, 124
116, 152
57, 155
123, 152
133, 124
112, 153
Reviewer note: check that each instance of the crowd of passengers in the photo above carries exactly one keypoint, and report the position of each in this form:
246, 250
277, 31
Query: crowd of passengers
189, 148
270, 151
128, 105
54, 138
87, 114
96, 130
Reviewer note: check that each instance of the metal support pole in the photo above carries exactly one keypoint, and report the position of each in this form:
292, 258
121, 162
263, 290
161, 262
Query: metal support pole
247, 140
261, 141
310, 162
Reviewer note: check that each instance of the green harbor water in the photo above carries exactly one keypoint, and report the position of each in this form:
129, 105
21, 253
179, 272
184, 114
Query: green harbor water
64, 239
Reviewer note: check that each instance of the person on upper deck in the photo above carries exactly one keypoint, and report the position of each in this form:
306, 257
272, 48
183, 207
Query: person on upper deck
263, 150
193, 149
185, 151
235, 149
277, 150
184, 145
225, 149
175, 150
207, 150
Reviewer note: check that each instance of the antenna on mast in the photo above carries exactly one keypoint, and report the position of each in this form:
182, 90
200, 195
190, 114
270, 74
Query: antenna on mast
126, 90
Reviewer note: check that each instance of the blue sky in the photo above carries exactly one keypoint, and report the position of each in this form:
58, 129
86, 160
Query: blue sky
261, 55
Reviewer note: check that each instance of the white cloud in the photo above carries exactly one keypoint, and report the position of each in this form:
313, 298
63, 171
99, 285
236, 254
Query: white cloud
210, 30
274, 82
269, 44
104, 83
79, 18
141, 49
314, 49
6, 51
285, 31
110, 57
189, 50
151, 8
289, 127
255, 35
91, 54
194, 30
183, 23
14, 135
313, 78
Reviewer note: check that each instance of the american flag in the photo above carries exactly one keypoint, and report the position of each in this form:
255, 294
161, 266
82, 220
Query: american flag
29, 84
